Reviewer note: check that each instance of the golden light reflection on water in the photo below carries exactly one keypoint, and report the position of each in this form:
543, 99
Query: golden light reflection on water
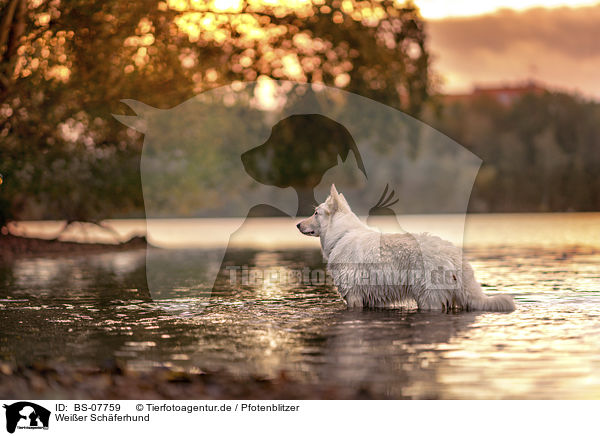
548, 348
270, 284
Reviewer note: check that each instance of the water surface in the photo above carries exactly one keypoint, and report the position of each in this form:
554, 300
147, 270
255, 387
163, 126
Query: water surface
93, 308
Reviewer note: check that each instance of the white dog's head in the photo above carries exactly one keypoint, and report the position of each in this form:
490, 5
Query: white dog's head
317, 224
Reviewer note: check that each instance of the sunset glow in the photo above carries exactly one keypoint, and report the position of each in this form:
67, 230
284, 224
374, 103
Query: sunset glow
511, 47
474, 42
435, 9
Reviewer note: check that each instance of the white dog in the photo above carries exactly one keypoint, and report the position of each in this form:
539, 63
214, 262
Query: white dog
376, 269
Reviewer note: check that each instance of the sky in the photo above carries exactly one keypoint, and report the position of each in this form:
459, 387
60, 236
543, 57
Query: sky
436, 9
554, 42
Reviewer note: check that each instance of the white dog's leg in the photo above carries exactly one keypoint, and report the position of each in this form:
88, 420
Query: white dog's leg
431, 305
433, 299
353, 301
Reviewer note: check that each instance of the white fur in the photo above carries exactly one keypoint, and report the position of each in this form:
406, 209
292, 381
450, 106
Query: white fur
356, 255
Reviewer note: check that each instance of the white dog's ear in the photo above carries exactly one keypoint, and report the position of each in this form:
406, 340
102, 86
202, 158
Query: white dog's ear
337, 201
333, 192
343, 204
332, 200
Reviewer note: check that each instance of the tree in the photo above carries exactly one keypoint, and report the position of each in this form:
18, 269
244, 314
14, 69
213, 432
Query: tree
65, 65
539, 154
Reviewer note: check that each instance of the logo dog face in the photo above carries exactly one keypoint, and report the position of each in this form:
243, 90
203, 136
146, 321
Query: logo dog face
26, 413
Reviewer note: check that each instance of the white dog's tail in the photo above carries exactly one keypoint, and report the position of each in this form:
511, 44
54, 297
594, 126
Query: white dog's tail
493, 303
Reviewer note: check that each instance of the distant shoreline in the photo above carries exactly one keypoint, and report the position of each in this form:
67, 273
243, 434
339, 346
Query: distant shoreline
19, 246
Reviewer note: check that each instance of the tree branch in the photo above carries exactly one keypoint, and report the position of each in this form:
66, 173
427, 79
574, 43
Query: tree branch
6, 23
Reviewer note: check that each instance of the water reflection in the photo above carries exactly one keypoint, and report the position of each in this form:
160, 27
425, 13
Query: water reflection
120, 274
367, 347
90, 309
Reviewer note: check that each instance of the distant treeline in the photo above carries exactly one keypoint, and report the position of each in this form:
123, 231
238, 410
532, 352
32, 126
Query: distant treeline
541, 153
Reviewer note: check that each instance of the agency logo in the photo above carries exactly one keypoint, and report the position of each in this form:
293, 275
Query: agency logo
26, 415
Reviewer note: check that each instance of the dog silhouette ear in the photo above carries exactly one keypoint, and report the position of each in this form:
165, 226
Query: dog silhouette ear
137, 122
